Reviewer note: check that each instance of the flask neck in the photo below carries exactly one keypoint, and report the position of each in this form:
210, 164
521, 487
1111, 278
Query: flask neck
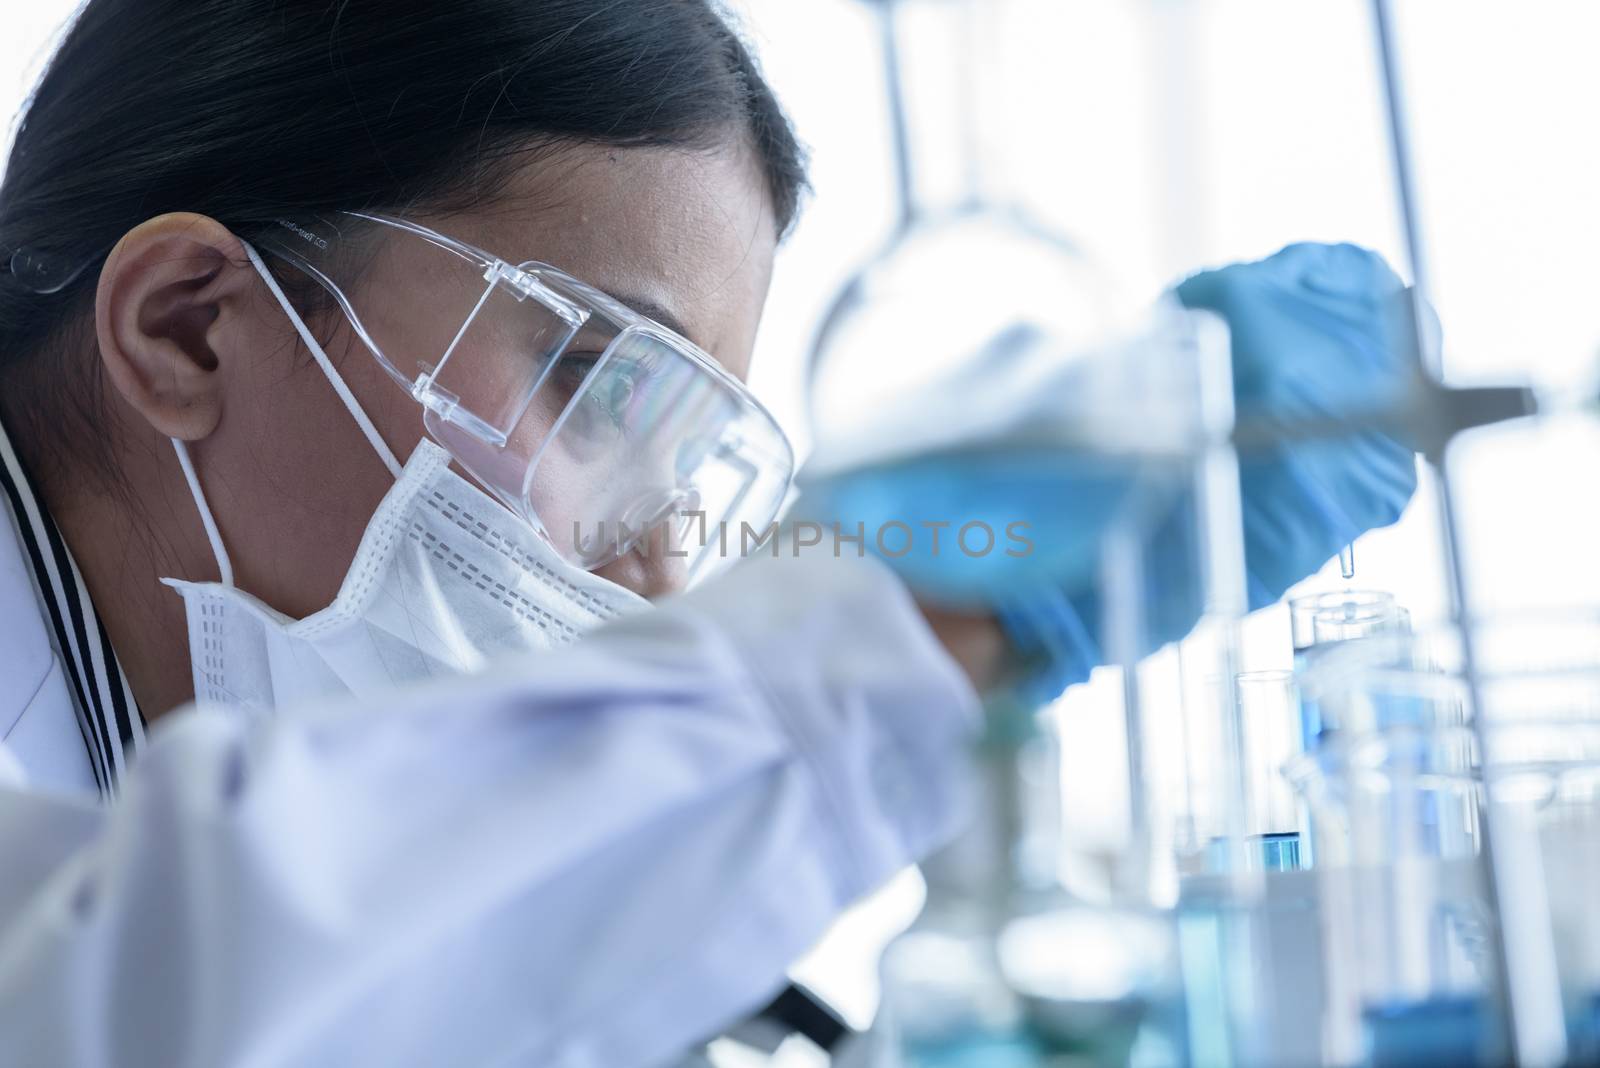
944, 64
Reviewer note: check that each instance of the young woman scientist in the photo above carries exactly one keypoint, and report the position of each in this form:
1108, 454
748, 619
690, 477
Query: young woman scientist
282, 438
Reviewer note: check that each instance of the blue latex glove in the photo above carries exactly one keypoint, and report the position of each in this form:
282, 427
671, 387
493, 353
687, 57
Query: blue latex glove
1045, 509
1318, 330
1315, 332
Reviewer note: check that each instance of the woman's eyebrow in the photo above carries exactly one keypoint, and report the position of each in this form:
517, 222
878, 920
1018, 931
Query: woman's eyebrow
652, 310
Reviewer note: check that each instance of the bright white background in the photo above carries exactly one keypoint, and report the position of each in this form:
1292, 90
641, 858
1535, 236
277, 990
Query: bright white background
1165, 135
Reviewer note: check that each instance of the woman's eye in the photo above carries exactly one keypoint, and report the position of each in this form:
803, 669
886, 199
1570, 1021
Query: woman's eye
571, 373
602, 410
618, 391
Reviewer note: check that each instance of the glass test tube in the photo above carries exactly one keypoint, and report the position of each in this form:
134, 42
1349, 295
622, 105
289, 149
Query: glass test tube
1269, 716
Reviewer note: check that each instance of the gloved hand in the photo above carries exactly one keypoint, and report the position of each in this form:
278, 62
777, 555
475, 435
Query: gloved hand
1318, 331
1315, 333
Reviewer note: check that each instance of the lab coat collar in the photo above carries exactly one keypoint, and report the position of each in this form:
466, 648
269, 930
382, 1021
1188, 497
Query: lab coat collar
58, 620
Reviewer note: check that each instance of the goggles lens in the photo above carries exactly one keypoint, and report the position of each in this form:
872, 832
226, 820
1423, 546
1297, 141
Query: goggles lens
604, 430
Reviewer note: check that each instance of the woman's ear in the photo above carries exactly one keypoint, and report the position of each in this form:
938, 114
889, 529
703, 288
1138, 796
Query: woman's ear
166, 312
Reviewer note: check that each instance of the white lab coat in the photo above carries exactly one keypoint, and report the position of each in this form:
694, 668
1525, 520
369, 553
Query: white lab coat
38, 719
588, 859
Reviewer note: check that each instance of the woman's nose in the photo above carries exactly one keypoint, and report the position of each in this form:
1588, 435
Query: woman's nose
656, 566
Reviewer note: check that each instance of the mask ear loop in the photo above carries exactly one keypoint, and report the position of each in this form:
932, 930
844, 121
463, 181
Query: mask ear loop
224, 564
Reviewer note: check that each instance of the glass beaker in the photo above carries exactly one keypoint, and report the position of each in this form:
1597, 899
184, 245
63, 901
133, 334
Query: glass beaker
1544, 767
1404, 914
1344, 620
969, 284
1358, 607
1398, 792
1003, 969
1319, 621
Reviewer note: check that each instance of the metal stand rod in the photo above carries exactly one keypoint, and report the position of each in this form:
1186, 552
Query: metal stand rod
900, 137
1122, 582
1226, 596
1529, 993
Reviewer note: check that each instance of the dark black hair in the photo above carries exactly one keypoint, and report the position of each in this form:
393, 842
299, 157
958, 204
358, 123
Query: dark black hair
249, 110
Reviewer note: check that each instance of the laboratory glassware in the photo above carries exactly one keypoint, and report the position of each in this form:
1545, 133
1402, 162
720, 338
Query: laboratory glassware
967, 272
969, 295
1270, 718
1404, 917
1002, 969
972, 298
1527, 986
1399, 791
1017, 979
1318, 620
1250, 947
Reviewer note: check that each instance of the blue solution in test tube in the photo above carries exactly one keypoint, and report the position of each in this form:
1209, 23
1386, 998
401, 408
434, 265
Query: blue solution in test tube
1279, 852
1269, 722
1275, 851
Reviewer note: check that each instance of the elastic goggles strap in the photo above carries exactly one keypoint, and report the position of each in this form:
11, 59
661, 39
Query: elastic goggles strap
373, 438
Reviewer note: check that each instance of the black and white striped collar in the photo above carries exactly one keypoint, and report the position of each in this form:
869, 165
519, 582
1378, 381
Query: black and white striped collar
108, 717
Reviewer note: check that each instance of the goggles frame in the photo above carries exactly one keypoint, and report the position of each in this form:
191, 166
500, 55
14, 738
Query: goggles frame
306, 245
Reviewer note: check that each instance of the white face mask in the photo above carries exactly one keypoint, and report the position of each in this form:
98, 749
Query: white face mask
445, 579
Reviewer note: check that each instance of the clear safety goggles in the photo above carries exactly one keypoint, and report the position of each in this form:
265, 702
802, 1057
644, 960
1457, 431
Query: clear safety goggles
604, 430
